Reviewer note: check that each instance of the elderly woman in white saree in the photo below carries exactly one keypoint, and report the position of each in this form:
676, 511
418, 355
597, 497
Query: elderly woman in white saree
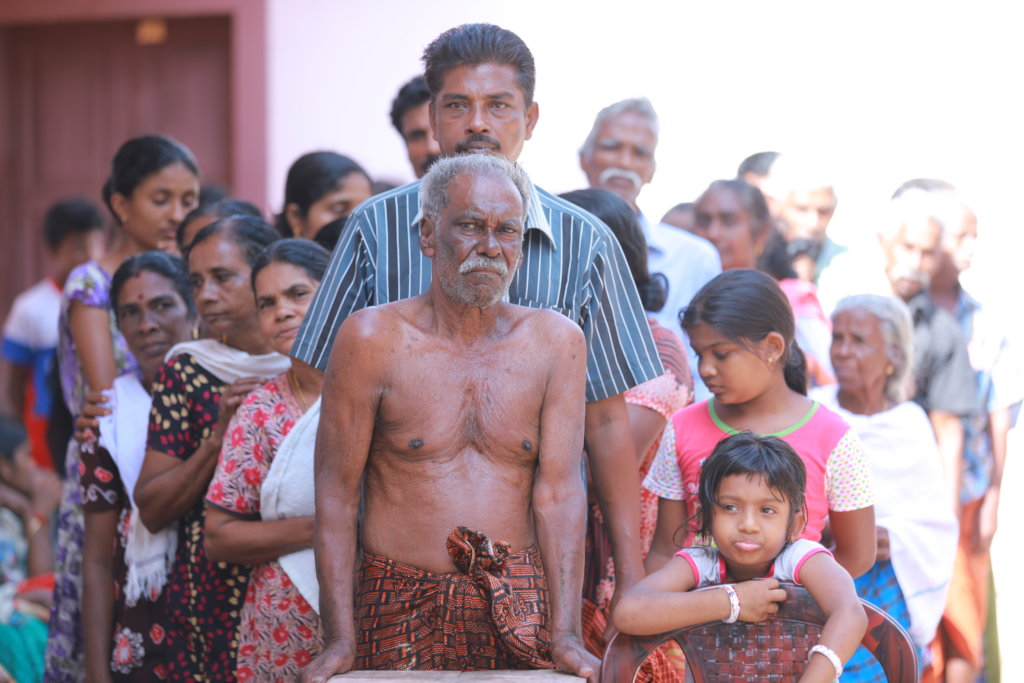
917, 531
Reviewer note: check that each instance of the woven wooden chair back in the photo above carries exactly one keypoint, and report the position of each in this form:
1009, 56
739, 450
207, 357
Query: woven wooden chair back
772, 650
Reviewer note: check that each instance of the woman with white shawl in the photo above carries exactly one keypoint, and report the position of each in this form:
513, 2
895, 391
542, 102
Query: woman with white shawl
251, 515
195, 394
917, 531
124, 566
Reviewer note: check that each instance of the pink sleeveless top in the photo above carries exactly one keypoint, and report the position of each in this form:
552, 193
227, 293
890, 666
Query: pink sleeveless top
838, 476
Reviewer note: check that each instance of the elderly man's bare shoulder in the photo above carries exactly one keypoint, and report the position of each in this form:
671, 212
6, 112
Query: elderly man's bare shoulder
372, 325
549, 326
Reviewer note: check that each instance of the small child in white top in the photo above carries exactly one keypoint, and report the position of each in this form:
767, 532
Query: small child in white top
752, 505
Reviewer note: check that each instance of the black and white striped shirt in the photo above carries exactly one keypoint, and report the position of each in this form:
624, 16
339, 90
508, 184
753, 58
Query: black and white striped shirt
572, 263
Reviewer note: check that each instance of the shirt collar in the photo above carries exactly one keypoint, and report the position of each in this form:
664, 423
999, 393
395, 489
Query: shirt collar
536, 219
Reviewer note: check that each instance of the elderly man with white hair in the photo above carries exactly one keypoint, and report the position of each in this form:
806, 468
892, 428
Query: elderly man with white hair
449, 503
911, 241
618, 156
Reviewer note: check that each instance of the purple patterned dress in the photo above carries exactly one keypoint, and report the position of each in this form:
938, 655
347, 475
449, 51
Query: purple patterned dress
65, 659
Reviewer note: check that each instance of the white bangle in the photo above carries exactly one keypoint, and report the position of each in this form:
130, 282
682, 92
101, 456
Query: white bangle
734, 603
830, 655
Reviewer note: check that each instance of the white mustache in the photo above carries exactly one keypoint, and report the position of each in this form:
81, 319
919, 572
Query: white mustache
624, 173
918, 276
478, 261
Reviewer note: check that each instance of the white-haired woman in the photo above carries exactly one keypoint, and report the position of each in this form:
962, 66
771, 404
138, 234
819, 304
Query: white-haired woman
917, 532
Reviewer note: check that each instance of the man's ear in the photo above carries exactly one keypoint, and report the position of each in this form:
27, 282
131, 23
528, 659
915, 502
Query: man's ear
427, 236
532, 114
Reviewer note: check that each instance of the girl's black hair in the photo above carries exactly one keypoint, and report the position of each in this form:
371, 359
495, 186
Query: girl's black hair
250, 234
302, 253
12, 436
311, 177
222, 208
756, 456
161, 263
141, 157
746, 306
618, 215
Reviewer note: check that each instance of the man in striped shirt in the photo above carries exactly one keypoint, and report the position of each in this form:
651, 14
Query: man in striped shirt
481, 80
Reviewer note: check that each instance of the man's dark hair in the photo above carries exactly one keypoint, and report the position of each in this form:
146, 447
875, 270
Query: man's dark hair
475, 44
758, 164
70, 217
413, 94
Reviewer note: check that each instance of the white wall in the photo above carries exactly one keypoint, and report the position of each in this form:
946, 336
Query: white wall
882, 91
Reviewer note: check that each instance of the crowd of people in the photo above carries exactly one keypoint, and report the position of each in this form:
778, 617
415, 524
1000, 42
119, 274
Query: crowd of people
469, 424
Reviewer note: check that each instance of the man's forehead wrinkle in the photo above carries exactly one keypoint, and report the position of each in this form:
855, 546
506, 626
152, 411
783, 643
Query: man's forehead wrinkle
475, 214
471, 214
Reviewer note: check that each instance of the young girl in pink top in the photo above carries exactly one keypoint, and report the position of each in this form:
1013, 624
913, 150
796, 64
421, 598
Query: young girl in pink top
752, 507
742, 329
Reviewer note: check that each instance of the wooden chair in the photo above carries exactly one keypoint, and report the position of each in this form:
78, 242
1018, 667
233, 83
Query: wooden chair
772, 650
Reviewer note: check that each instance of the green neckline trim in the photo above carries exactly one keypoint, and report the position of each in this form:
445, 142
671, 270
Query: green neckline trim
780, 434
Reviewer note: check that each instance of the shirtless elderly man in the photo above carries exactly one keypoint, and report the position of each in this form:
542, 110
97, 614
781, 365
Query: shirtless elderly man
465, 414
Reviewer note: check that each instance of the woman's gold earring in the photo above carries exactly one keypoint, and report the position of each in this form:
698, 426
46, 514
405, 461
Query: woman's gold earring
195, 332
889, 370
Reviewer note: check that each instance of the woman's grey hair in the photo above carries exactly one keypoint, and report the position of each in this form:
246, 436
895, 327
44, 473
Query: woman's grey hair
434, 188
897, 330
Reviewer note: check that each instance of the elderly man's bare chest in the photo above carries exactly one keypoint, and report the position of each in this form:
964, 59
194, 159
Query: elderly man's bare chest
487, 399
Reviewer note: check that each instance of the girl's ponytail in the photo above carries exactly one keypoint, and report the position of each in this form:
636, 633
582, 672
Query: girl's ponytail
795, 369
